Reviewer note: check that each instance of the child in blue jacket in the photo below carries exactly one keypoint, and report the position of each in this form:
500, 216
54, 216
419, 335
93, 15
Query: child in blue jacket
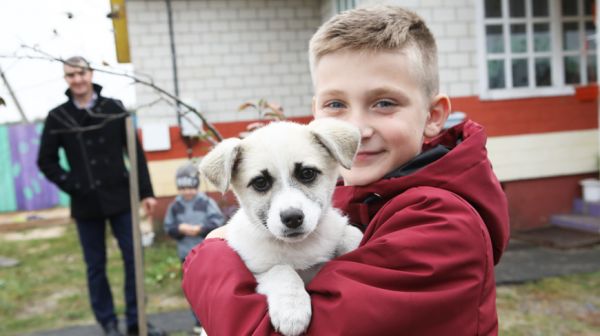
192, 215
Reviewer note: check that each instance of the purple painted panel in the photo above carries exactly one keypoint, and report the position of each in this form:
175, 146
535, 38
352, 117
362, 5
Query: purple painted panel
32, 189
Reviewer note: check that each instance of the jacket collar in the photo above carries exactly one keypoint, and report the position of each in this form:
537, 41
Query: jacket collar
362, 203
464, 171
419, 161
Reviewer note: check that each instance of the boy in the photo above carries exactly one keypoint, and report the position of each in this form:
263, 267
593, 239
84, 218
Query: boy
192, 215
434, 216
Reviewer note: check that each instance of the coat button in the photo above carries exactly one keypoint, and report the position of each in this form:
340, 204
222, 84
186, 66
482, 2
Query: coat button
98, 183
93, 162
101, 140
88, 142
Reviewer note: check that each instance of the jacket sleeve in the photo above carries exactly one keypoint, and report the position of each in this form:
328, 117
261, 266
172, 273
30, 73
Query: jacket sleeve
48, 159
170, 224
144, 175
214, 217
420, 268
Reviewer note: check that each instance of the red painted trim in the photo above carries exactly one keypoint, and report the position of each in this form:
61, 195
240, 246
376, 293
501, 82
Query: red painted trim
499, 117
587, 92
529, 115
179, 148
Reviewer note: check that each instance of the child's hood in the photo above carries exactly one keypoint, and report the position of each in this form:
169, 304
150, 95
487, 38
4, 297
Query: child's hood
460, 165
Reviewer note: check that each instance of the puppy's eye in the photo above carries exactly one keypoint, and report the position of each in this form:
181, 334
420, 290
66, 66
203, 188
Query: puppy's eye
307, 175
260, 184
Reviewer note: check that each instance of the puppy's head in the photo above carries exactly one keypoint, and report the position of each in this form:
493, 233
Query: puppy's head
284, 173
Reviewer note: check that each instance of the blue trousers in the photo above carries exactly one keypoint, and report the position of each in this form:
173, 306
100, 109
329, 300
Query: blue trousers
93, 243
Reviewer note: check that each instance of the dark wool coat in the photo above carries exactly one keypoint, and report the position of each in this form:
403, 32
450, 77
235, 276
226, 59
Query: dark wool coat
425, 265
97, 179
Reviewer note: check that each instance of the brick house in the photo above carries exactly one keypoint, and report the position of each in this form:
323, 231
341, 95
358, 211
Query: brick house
521, 68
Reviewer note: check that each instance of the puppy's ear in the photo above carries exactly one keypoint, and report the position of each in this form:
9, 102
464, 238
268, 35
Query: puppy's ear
339, 137
217, 165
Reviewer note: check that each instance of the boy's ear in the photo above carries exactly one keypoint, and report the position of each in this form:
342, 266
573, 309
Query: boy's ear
438, 114
218, 164
339, 137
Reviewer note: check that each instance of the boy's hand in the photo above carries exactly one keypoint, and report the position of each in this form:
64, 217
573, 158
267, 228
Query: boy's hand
197, 229
184, 229
189, 230
220, 232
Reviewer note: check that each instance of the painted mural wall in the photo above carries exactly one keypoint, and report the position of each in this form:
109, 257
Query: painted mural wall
22, 186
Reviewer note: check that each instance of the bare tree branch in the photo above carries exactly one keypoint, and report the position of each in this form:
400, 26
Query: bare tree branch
136, 79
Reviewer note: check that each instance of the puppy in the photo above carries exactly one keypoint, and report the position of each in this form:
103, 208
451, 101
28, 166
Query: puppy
283, 176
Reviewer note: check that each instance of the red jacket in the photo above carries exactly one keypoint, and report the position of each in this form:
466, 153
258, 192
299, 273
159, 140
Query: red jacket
424, 267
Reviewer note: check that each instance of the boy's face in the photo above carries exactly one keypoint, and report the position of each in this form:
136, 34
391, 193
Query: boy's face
378, 92
188, 193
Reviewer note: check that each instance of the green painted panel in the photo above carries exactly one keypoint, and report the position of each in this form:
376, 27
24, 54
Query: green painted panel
8, 200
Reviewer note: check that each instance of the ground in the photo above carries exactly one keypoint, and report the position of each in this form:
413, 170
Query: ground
568, 305
47, 290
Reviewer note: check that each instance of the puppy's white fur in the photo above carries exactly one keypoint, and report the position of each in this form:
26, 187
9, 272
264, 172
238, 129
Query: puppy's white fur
284, 257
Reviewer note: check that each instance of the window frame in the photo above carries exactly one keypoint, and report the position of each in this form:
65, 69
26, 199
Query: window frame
556, 52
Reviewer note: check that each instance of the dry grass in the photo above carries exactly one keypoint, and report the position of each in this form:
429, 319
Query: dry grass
47, 290
567, 305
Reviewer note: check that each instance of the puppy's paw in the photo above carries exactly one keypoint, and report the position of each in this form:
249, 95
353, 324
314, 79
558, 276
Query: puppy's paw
288, 301
350, 240
290, 315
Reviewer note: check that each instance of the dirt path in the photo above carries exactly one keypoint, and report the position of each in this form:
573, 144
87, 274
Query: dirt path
23, 220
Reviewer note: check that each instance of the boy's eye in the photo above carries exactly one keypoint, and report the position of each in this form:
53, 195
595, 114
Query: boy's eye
384, 104
334, 105
260, 183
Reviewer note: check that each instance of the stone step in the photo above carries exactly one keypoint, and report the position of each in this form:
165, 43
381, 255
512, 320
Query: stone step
582, 207
577, 222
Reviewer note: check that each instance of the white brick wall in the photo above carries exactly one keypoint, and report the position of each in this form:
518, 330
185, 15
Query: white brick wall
232, 51
228, 52
453, 24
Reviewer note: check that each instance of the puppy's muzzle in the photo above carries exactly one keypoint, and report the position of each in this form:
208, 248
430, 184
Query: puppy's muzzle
292, 218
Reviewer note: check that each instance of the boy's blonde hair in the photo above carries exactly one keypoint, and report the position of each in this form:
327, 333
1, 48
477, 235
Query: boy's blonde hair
380, 28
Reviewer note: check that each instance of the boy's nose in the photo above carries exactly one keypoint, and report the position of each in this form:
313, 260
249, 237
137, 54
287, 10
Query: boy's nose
366, 131
358, 119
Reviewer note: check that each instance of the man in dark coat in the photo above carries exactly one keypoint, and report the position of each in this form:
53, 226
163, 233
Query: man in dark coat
91, 131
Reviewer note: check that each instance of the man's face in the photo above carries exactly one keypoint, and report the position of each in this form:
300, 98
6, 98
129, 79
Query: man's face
377, 92
79, 80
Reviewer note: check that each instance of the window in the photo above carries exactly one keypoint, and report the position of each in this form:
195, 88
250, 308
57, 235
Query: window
342, 5
578, 52
536, 47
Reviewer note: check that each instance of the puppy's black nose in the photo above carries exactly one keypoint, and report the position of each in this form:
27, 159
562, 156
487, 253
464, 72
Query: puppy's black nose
292, 217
